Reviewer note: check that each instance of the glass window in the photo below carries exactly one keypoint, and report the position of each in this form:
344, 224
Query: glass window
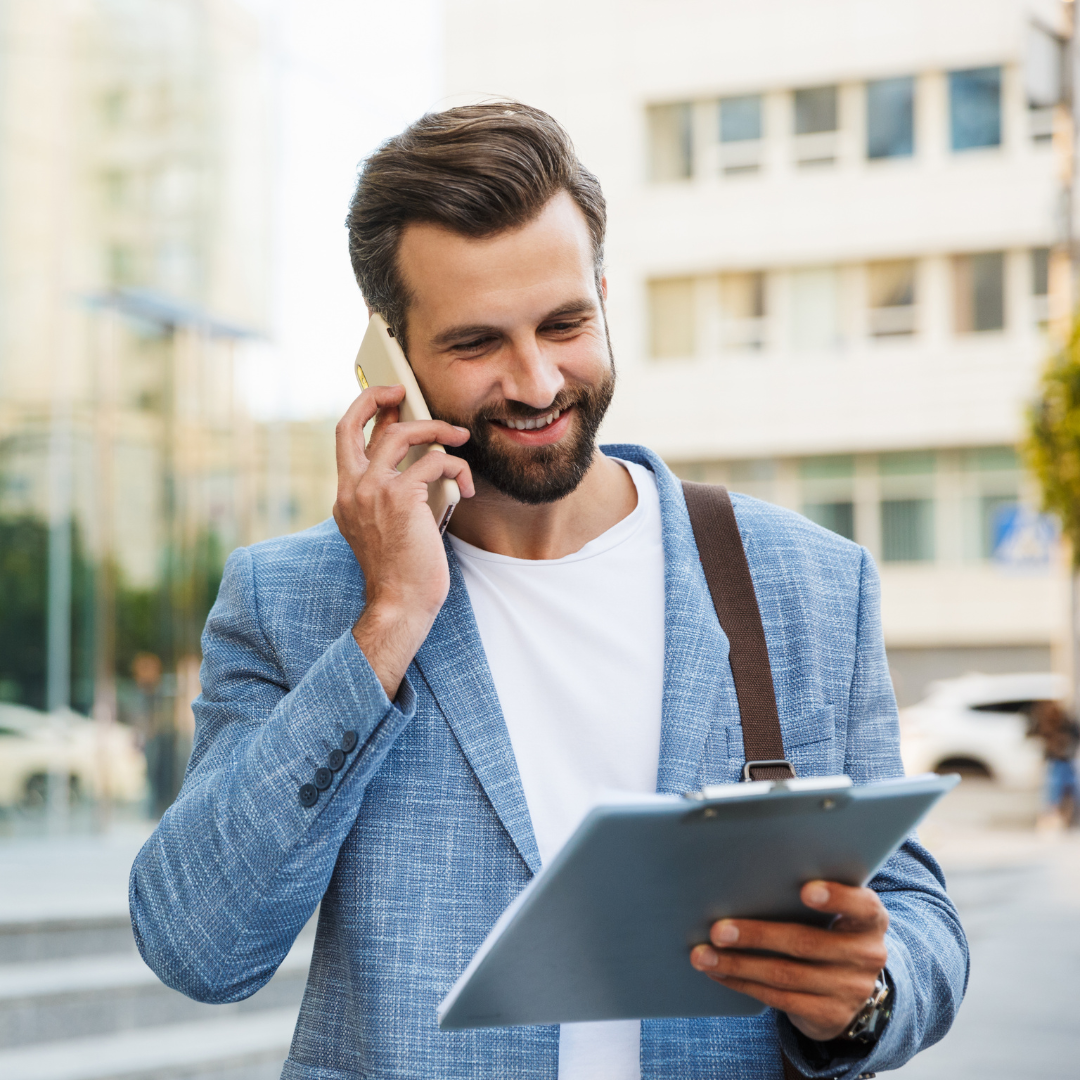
907, 463
890, 117
742, 310
980, 292
671, 145
839, 517
672, 318
892, 297
997, 514
815, 110
907, 530
1040, 271
740, 118
815, 301
833, 467
975, 107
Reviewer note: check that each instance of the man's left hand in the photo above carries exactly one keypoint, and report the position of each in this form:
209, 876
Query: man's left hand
821, 978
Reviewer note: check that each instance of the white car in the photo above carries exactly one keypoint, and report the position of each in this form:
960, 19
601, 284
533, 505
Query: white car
978, 725
99, 761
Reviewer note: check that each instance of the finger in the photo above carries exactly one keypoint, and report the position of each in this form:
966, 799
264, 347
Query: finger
825, 1017
436, 465
398, 439
836, 980
349, 434
860, 908
809, 943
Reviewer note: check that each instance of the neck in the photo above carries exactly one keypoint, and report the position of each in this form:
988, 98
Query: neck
494, 522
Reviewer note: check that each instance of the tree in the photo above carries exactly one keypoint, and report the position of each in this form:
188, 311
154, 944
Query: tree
1052, 450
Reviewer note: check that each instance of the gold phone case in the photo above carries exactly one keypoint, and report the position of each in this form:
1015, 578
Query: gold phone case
380, 362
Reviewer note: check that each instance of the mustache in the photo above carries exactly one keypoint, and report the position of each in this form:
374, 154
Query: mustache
516, 410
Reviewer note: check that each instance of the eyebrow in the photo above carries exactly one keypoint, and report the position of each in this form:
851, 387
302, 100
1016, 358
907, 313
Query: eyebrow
584, 306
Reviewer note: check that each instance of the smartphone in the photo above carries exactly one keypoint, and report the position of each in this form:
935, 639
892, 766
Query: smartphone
380, 362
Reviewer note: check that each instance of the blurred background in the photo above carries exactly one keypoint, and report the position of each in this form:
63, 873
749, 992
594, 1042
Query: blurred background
839, 258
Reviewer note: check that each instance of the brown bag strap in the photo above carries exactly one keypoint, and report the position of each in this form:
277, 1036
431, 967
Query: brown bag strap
728, 575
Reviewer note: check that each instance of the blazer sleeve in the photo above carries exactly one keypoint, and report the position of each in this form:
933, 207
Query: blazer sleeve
237, 865
928, 953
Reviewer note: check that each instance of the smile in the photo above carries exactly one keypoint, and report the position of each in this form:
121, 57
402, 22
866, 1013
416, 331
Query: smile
534, 423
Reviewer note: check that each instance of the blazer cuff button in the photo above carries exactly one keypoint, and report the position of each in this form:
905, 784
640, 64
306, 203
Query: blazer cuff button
309, 795
336, 759
349, 739
323, 778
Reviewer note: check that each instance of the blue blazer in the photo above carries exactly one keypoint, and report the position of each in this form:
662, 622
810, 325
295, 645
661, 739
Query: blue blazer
423, 837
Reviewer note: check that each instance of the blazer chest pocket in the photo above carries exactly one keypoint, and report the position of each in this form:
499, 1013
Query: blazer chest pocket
810, 742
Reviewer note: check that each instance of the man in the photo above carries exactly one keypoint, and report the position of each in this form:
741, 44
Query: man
405, 728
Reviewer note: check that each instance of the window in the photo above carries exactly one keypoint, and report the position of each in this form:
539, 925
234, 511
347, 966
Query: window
890, 118
907, 506
671, 147
672, 318
892, 297
839, 517
997, 514
815, 315
907, 530
975, 108
827, 492
980, 292
1040, 285
816, 124
742, 310
740, 134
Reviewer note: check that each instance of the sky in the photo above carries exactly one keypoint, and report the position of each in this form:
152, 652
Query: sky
346, 74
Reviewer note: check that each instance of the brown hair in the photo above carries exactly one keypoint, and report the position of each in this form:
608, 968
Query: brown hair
477, 170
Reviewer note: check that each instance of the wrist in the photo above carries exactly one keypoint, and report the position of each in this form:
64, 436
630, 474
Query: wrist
389, 636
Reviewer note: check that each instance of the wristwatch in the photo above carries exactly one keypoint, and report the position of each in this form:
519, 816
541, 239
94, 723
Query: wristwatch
871, 1019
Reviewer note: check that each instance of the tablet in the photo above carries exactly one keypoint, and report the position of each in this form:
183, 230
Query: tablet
604, 931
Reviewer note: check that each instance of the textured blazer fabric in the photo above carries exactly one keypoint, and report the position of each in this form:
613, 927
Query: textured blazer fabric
423, 837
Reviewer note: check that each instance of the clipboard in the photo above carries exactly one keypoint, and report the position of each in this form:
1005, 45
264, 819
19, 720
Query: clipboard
604, 931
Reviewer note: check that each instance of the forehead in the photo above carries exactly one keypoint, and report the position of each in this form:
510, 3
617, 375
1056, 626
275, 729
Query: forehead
453, 277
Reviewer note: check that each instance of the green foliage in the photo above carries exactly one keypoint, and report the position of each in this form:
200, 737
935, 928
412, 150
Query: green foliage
1052, 447
24, 576
165, 619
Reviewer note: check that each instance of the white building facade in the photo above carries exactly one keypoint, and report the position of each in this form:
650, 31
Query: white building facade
827, 267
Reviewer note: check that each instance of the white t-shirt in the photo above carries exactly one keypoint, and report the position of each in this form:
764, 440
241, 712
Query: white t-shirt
576, 651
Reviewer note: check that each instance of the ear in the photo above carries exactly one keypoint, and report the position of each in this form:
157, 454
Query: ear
603, 288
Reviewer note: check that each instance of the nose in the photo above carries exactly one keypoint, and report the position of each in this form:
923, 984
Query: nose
532, 375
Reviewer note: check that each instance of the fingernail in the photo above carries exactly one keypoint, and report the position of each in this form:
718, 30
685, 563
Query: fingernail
458, 427
725, 933
705, 957
817, 894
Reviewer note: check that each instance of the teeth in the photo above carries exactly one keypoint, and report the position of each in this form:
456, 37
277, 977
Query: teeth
534, 423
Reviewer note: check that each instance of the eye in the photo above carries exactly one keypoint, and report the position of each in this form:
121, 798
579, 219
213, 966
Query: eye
565, 326
475, 345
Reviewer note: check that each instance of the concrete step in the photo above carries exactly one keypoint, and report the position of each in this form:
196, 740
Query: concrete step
249, 1047
48, 939
56, 1000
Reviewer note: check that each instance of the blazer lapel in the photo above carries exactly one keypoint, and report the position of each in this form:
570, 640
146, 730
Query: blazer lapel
699, 692
454, 666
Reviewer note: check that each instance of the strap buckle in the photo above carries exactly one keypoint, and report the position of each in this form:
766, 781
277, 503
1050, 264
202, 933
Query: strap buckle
771, 763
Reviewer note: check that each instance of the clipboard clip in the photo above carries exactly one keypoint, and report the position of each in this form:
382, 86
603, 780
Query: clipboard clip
771, 763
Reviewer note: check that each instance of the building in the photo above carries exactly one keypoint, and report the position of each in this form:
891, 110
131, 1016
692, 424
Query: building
827, 266
135, 209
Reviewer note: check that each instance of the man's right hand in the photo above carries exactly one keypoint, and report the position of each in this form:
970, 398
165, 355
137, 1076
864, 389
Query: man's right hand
384, 516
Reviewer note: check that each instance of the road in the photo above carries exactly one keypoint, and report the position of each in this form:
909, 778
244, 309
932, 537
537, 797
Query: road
1018, 893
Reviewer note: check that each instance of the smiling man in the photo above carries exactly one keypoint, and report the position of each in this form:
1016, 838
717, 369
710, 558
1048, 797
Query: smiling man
405, 727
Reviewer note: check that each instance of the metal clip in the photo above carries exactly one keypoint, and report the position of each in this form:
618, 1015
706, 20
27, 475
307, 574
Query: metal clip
774, 763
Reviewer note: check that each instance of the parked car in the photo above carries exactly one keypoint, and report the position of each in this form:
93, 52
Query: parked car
979, 725
98, 760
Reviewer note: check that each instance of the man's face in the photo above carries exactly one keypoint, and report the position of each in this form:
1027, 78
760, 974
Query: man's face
507, 338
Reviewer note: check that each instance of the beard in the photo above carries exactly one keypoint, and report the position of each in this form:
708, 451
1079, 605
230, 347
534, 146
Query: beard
536, 474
